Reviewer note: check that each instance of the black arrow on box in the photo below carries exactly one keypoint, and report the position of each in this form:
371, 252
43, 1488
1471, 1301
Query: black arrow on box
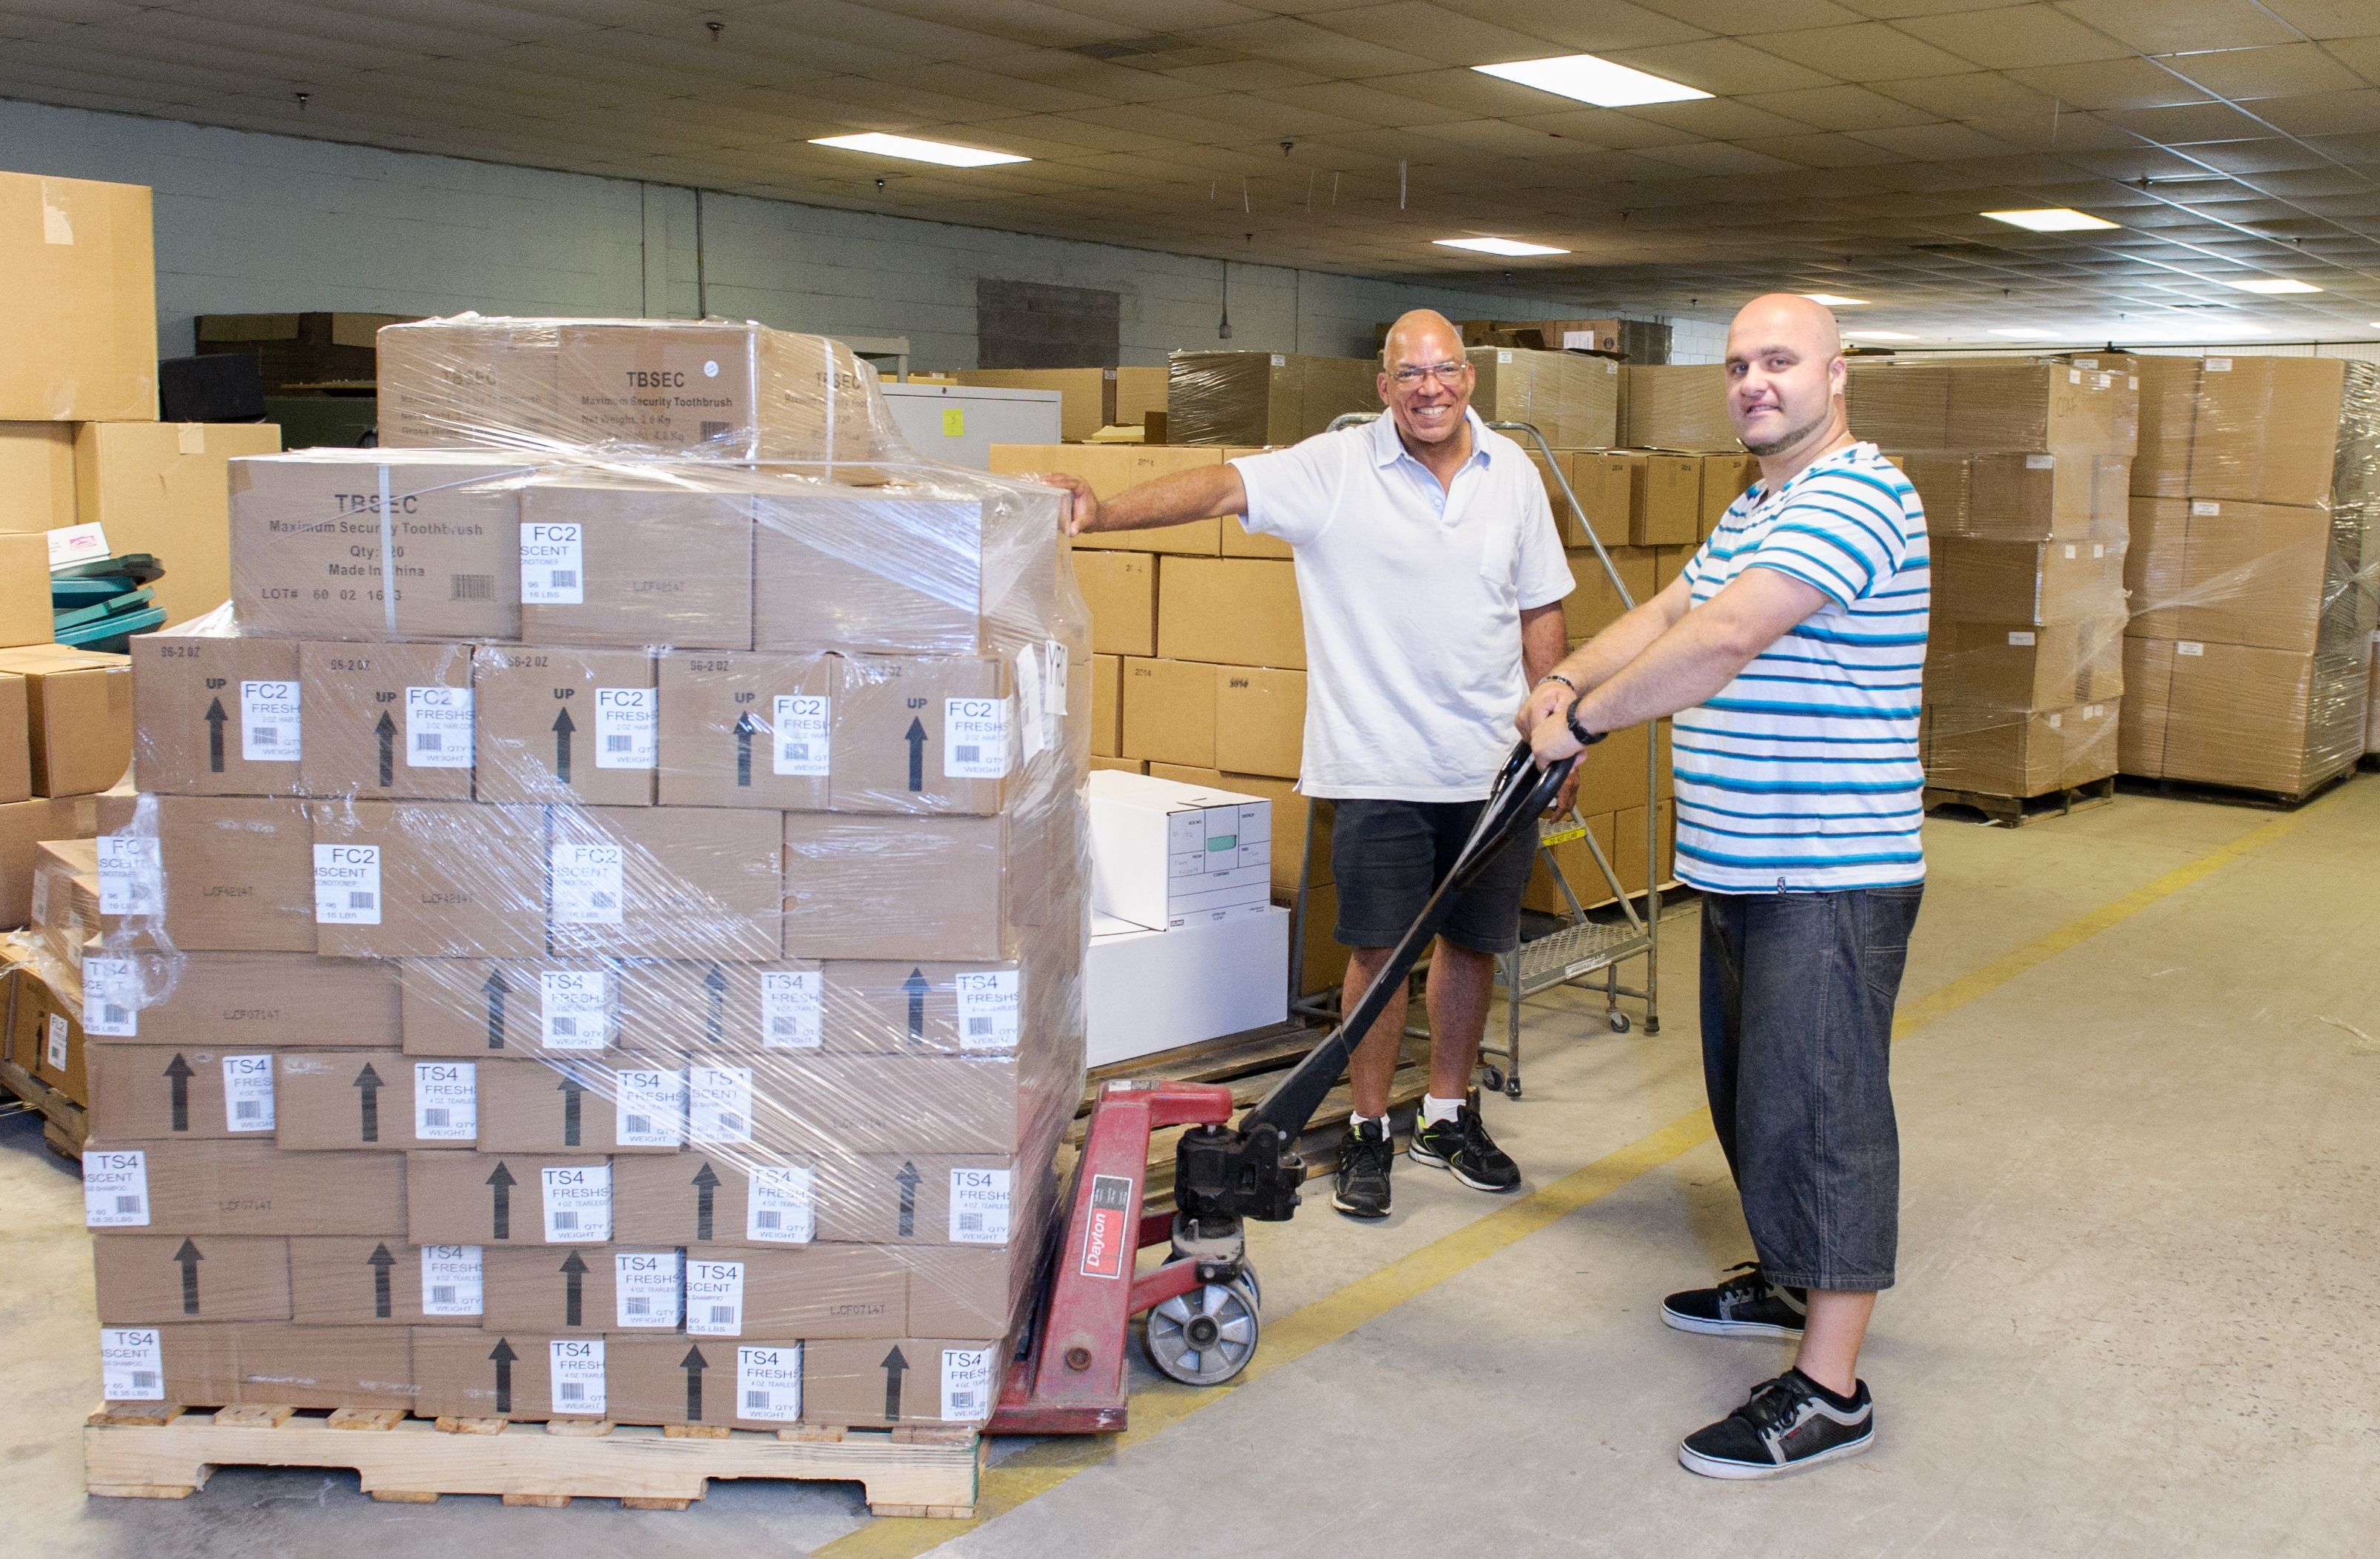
746, 730
706, 1186
495, 990
177, 1071
381, 1263
503, 1355
368, 1087
895, 1365
562, 726
915, 986
916, 736
694, 1364
573, 1282
386, 732
907, 1180
499, 1213
188, 1259
216, 718
573, 1093
714, 1015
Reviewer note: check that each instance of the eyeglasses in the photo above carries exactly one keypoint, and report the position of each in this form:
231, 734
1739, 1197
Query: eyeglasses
1444, 373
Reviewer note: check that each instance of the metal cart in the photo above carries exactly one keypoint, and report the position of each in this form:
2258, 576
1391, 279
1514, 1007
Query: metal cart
1580, 946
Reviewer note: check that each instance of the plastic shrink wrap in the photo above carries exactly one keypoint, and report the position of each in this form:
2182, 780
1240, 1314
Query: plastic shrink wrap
1262, 397
600, 933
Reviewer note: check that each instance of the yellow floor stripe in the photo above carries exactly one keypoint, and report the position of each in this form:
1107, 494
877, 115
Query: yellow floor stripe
1155, 1408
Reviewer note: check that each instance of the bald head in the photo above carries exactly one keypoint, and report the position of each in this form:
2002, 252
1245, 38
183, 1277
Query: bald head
1785, 376
1421, 336
1429, 403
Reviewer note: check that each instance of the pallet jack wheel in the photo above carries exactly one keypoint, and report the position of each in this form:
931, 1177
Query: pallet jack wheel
1206, 1336
1494, 1078
1617, 1019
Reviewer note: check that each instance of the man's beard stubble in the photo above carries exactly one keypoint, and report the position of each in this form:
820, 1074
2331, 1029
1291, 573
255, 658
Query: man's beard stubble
1786, 440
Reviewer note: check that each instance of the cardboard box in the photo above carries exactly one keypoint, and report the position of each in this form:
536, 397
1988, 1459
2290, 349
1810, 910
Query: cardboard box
913, 734
2038, 583
237, 877
573, 725
351, 1101
911, 1103
896, 887
2051, 408
718, 1014
240, 1187
1138, 391
813, 1292
1995, 752
258, 1363
667, 882
1665, 499
426, 879
16, 742
1668, 563
162, 1093
975, 1294
1995, 665
1119, 765
1600, 479
899, 1007
473, 1372
149, 1280
2092, 736
552, 1009
2250, 574
1321, 961
2250, 717
1680, 408
79, 716
160, 488
2169, 413
714, 389
1900, 405
37, 476
1628, 843
1106, 706
391, 722
380, 1280
2148, 699
2039, 497
1168, 711
907, 1198
1087, 396
450, 384
216, 716
1165, 854
46, 1035
906, 1380
312, 535
65, 898
505, 1199
1121, 589
1111, 468
80, 345
243, 1002
1259, 720
1291, 811
722, 1384
2267, 429
1611, 773
1573, 401
24, 824
577, 1290
633, 565
1263, 397
1595, 605
581, 1105
1231, 611
748, 730
25, 611
1147, 990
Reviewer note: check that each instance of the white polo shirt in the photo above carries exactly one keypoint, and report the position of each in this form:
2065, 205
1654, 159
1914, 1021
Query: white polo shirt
1412, 595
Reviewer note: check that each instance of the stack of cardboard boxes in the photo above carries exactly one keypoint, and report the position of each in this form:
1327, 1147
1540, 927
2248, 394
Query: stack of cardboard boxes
596, 941
1262, 397
2253, 570
2022, 466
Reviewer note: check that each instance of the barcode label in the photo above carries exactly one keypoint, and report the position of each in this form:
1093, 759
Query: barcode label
966, 1384
116, 1189
651, 1284
782, 1208
719, 1104
802, 741
566, 1219
577, 1375
471, 587
131, 875
450, 1280
110, 1005
446, 1100
969, 753
714, 1298
975, 738
551, 556
570, 1391
346, 884
270, 730
635, 1307
708, 430
627, 727
440, 1294
586, 882
131, 1364
60, 1036
247, 1093
577, 1204
576, 1008
651, 1108
979, 1206
769, 1383
988, 1005
359, 899
438, 727
791, 1006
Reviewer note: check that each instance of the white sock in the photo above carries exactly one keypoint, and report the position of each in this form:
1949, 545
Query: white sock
1357, 1122
1437, 1111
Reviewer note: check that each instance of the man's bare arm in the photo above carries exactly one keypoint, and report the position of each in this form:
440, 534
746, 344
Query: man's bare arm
1541, 639
1590, 665
1202, 493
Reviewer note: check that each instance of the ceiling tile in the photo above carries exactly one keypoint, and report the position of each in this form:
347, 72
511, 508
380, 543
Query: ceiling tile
1321, 50
2185, 123
1601, 26
2119, 83
2017, 37
2326, 19
2182, 26
1869, 51
1839, 108
1725, 67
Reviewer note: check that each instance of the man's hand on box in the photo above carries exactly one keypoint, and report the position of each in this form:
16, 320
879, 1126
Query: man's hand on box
1083, 513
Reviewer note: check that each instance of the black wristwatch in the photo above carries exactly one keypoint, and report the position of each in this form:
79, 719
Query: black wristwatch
1586, 738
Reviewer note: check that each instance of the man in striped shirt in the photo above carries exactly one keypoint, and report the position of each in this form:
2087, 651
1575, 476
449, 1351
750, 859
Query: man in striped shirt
1790, 650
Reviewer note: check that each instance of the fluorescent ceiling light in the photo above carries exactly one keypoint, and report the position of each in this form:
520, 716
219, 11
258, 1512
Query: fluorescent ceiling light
916, 151
2051, 219
2025, 333
2271, 285
1879, 335
1499, 246
1834, 300
1591, 80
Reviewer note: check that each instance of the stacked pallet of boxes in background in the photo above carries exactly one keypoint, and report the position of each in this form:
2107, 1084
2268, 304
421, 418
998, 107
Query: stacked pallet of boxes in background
599, 934
2022, 467
2253, 563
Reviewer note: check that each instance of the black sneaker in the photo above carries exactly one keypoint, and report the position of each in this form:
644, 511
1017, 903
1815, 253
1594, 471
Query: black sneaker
1746, 1306
1789, 1423
1463, 1148
1364, 1154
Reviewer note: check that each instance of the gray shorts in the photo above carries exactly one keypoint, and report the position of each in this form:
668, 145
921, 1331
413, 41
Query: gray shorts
1386, 856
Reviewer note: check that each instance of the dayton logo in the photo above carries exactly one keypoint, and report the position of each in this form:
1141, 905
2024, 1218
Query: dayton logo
1107, 1236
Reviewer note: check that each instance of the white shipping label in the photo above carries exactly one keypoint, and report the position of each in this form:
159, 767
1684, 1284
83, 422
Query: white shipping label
2056, 719
718, 1104
987, 1005
1033, 732
55, 1050
131, 1364
2074, 376
781, 1208
2217, 365
116, 1189
651, 1109
247, 1093
769, 1384
346, 884
975, 738
627, 727
577, 1376
445, 1101
578, 1205
551, 559
2189, 647
714, 1298
651, 1285
2201, 507
450, 1280
1059, 669
2041, 462
438, 727
587, 883
2069, 551
131, 875
269, 723
42, 898
575, 1010
800, 744
979, 1206
70, 544
2020, 637
2098, 551
792, 1004
966, 1384
111, 997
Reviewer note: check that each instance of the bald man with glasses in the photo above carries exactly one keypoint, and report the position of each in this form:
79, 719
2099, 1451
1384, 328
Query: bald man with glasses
1431, 579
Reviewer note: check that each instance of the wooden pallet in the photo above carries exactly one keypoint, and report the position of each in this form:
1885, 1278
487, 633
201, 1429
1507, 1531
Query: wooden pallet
66, 1125
140, 1450
2015, 812
2238, 795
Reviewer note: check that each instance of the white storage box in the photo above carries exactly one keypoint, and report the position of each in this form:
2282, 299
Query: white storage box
1145, 991
1165, 854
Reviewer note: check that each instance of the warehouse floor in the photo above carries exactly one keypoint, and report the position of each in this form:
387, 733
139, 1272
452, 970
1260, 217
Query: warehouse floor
2139, 1073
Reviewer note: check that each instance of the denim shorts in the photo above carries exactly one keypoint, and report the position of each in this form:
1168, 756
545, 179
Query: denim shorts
1797, 997
1386, 856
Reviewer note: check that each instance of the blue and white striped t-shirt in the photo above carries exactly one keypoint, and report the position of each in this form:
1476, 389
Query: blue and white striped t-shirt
1802, 775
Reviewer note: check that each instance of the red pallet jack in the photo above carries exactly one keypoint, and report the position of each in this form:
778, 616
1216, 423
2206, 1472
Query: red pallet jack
1203, 1303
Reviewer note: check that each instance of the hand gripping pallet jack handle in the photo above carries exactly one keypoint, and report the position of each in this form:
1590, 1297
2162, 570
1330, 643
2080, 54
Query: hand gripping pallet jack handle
1069, 1376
